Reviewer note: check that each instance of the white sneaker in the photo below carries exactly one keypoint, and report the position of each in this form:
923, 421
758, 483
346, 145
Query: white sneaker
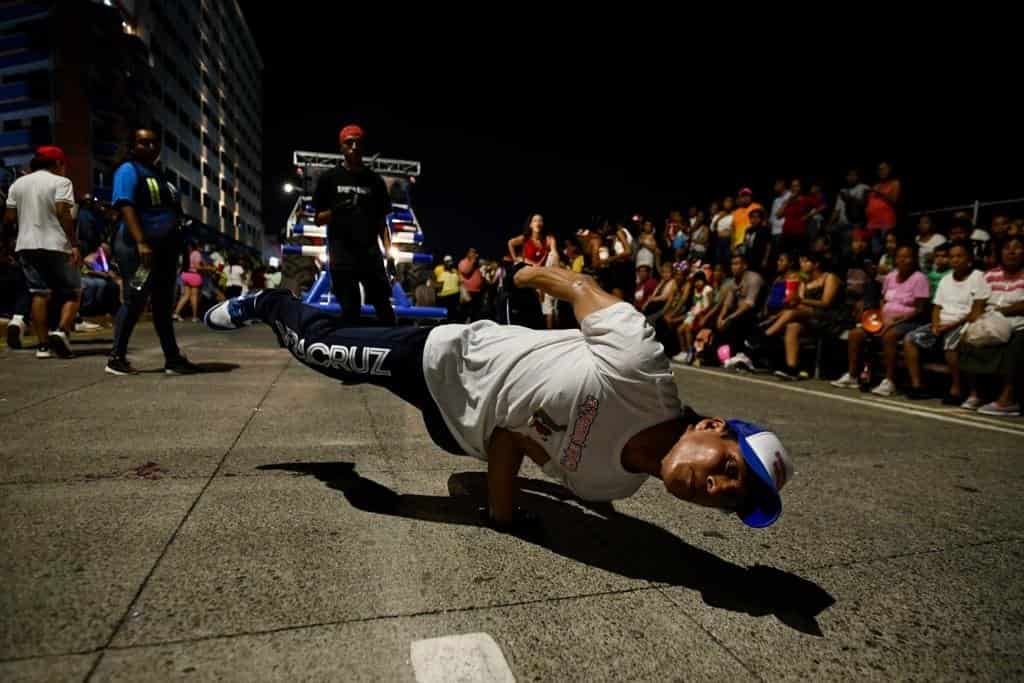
59, 344
885, 388
972, 403
996, 410
845, 382
742, 360
86, 326
43, 352
681, 357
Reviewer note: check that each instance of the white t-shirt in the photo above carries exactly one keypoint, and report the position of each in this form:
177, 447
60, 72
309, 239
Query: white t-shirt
235, 276
777, 222
579, 394
956, 298
35, 196
1006, 292
723, 226
927, 247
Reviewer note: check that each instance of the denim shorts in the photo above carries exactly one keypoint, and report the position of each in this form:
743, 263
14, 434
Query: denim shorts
49, 271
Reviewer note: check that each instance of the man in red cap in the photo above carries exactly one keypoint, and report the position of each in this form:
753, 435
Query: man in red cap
47, 247
353, 202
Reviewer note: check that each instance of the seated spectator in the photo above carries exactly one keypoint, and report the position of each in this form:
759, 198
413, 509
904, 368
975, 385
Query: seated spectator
1006, 360
887, 261
738, 315
101, 287
927, 239
757, 243
1016, 228
674, 312
858, 269
573, 258
623, 268
663, 293
645, 286
784, 288
939, 267
905, 296
815, 308
960, 299
701, 299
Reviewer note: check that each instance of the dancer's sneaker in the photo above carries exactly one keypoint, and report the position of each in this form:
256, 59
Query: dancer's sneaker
234, 313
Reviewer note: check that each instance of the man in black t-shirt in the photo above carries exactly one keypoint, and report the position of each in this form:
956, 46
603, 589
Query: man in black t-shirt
352, 201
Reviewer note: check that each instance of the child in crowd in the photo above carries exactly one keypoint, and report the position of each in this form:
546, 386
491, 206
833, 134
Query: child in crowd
702, 299
939, 267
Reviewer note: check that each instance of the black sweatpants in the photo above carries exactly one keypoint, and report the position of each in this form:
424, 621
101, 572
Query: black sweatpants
389, 357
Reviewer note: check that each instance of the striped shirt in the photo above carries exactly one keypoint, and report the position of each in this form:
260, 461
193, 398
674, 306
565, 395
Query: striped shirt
1006, 291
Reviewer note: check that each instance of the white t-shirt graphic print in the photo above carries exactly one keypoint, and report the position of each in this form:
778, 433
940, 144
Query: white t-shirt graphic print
580, 394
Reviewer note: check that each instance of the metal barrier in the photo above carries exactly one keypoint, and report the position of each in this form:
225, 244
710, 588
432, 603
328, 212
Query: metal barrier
974, 207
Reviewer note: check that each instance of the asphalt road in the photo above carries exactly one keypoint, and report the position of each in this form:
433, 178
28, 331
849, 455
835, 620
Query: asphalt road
261, 522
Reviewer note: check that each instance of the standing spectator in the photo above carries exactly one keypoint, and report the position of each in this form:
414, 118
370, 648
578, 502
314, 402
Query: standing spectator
533, 242
722, 227
796, 210
1000, 228
47, 246
191, 282
882, 205
425, 294
353, 202
757, 243
647, 252
623, 270
673, 226
960, 299
274, 275
548, 303
573, 258
776, 218
236, 277
645, 287
849, 212
449, 283
700, 238
741, 216
91, 226
1006, 360
147, 248
927, 239
738, 315
817, 215
905, 294
472, 284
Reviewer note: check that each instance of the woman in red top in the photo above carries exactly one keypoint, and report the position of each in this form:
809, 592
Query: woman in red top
533, 242
883, 199
797, 209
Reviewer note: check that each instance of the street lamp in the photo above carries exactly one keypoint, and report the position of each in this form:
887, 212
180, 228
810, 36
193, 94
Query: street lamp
289, 188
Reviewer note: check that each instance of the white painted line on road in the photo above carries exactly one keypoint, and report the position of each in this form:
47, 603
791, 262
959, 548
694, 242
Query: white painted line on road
880, 405
469, 657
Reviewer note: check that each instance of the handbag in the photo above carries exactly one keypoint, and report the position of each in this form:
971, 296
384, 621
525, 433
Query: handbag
991, 329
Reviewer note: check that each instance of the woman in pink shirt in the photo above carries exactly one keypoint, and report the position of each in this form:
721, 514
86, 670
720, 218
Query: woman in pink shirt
191, 283
906, 294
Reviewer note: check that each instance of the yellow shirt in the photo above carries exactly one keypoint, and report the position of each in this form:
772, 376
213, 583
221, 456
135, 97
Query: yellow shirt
577, 264
438, 272
741, 221
450, 281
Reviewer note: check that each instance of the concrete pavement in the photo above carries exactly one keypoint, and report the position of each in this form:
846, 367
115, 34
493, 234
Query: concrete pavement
262, 522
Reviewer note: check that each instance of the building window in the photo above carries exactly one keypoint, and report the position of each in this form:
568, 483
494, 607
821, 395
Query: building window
171, 141
207, 202
169, 103
196, 192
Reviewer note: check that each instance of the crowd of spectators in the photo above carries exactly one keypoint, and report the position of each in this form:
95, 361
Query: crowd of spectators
787, 288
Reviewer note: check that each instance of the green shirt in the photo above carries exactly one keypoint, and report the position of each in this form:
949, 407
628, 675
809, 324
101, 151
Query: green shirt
934, 276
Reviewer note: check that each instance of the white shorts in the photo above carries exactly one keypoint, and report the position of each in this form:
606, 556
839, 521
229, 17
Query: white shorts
548, 305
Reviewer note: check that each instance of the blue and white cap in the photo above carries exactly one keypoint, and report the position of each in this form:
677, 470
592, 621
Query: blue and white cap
771, 467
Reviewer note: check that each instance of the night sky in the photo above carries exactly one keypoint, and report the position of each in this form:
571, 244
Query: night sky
577, 123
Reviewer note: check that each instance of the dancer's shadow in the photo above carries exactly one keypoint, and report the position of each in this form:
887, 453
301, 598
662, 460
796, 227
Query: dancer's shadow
597, 535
